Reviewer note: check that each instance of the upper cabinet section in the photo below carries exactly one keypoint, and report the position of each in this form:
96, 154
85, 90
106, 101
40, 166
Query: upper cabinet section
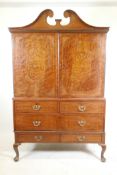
66, 61
76, 24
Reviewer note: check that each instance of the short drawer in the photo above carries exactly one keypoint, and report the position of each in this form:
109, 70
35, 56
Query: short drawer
81, 138
82, 107
33, 137
82, 122
25, 122
36, 106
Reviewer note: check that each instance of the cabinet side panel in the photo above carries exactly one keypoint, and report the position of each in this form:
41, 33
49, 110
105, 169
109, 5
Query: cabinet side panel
35, 64
82, 58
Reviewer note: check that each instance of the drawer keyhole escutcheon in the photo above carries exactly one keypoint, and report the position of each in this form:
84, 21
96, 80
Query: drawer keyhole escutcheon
36, 123
38, 138
36, 107
82, 108
81, 138
81, 122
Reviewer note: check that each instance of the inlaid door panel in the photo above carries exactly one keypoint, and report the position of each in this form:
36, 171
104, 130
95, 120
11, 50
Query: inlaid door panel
35, 64
82, 62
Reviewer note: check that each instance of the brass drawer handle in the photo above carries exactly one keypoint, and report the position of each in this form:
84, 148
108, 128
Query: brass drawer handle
81, 123
38, 138
82, 108
36, 123
36, 107
81, 138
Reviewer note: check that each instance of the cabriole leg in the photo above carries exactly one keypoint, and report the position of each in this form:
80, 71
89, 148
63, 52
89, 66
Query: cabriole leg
15, 146
102, 152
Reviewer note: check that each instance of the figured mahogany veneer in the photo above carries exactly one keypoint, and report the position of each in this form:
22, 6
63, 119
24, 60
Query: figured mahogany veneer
89, 106
82, 75
33, 137
42, 137
36, 106
81, 138
36, 122
59, 73
35, 66
82, 122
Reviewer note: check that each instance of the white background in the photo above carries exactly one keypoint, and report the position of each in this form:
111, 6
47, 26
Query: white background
57, 159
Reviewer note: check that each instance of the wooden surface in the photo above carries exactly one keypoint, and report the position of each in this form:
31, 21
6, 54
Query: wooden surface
92, 122
35, 65
28, 106
82, 59
43, 137
34, 122
76, 24
77, 64
89, 106
59, 74
81, 138
49, 106
34, 137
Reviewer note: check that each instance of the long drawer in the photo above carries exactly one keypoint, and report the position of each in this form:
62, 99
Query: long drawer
47, 137
36, 106
82, 106
35, 122
82, 122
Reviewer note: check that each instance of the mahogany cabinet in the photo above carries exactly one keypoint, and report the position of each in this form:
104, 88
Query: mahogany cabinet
59, 73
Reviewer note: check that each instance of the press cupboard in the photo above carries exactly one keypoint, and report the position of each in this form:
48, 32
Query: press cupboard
59, 73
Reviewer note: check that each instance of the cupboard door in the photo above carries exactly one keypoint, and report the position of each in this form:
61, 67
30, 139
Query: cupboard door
82, 59
35, 64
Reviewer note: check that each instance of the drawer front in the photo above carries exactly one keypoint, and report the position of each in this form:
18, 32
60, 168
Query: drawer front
82, 107
35, 123
36, 106
81, 138
83, 122
36, 137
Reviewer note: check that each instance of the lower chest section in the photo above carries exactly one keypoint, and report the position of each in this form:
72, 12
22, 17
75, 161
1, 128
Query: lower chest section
59, 121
